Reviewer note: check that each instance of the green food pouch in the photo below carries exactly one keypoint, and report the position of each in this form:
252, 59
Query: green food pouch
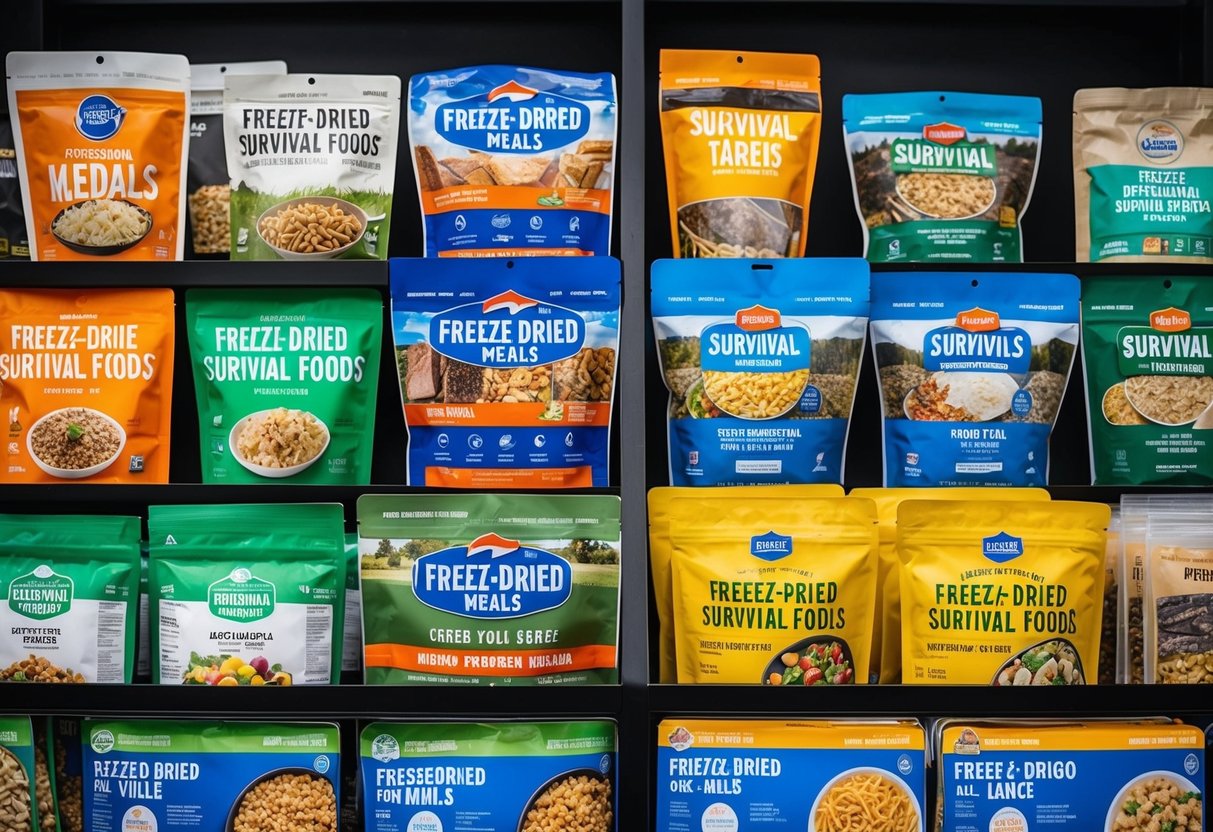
247, 594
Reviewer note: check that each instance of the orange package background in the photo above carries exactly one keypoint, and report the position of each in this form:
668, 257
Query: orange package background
86, 381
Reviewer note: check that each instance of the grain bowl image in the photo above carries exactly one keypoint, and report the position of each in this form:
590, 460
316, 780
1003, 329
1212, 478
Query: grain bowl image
279, 442
101, 227
576, 801
312, 227
1175, 803
287, 798
73, 443
961, 397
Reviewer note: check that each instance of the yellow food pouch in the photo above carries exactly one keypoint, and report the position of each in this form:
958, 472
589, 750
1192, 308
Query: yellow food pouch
886, 639
1001, 593
659, 553
773, 589
740, 132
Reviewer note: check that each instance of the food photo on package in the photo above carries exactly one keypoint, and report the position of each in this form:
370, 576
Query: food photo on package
513, 161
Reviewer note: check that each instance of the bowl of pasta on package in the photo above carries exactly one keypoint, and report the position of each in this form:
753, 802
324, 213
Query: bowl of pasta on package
101, 227
1174, 800
312, 227
279, 442
887, 803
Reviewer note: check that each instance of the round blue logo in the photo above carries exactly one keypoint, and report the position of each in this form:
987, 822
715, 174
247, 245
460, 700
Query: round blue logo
1021, 403
98, 117
604, 765
321, 764
904, 764
1191, 764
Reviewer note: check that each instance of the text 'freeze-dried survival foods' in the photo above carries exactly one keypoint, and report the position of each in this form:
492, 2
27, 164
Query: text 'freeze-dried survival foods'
972, 369
762, 361
1143, 175
507, 369
101, 148
70, 587
312, 163
942, 176
1148, 354
514, 161
740, 133
488, 589
247, 594
86, 381
286, 383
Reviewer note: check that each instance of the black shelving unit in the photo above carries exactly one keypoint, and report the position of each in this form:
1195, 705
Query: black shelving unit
1046, 48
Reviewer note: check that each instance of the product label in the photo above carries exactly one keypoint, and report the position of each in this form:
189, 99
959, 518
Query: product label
492, 577
507, 330
512, 118
1152, 211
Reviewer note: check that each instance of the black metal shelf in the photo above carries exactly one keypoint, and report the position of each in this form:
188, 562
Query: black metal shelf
84, 495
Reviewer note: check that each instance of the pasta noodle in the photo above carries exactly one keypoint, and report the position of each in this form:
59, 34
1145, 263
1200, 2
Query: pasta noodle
866, 803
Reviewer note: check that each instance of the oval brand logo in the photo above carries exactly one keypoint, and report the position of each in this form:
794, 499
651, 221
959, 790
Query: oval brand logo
1160, 141
513, 119
492, 577
507, 330
98, 117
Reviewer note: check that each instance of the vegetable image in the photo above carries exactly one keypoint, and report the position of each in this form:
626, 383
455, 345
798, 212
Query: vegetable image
813, 661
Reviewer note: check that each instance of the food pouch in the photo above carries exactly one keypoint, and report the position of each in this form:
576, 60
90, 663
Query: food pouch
210, 776
1111, 670
1033, 774
102, 139
1001, 593
740, 133
208, 191
1179, 599
761, 360
942, 176
14, 239
247, 594
1143, 175
822, 776
143, 636
513, 161
71, 594
886, 638
286, 383
488, 589
351, 649
972, 368
18, 801
773, 590
660, 501
1148, 355
312, 162
86, 382
528, 776
69, 773
507, 370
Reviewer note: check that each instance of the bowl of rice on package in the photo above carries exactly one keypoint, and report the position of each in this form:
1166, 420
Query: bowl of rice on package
972, 369
1148, 354
942, 176
102, 142
740, 132
761, 359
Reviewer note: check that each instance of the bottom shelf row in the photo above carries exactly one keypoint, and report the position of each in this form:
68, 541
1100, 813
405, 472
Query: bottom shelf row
709, 775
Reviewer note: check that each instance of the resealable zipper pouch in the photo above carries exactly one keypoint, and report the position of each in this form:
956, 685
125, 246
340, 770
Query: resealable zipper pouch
507, 369
942, 176
513, 161
208, 189
102, 141
761, 359
312, 164
972, 369
247, 595
70, 586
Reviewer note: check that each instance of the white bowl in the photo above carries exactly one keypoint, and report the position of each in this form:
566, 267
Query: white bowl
888, 775
77, 473
273, 473
1179, 780
345, 205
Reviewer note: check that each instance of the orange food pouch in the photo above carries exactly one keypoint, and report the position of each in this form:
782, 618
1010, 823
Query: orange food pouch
740, 132
86, 380
101, 144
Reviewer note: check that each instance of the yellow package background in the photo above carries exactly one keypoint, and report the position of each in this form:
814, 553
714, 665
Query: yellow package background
991, 591
659, 553
767, 576
886, 640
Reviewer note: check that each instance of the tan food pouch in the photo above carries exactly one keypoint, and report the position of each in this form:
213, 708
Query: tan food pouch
886, 639
1179, 599
773, 590
659, 554
1001, 593
740, 132
1143, 175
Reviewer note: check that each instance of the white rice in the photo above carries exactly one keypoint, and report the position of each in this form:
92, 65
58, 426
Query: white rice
102, 222
983, 395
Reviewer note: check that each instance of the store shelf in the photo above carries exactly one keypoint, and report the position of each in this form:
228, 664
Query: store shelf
85, 495
191, 273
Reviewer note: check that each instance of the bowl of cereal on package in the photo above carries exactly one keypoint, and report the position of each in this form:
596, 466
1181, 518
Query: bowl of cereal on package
947, 196
286, 798
101, 227
312, 227
586, 792
1169, 401
73, 443
865, 798
961, 397
1175, 804
279, 442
